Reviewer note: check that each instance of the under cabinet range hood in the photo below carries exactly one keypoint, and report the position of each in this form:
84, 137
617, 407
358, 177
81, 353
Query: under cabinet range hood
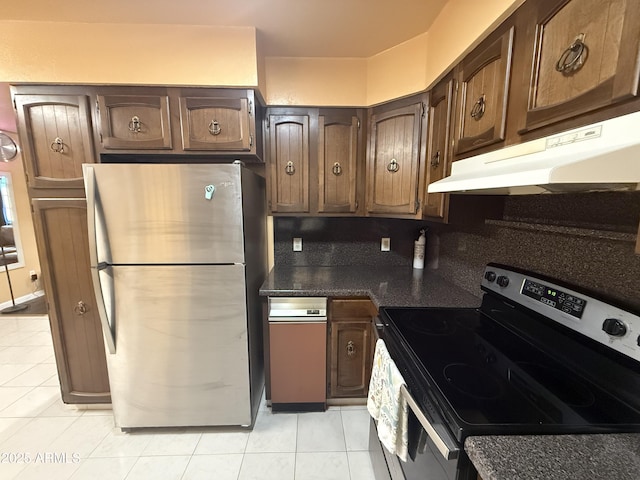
604, 156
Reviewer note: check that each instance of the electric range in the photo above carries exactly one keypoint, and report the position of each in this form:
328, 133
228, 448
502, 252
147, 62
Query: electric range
537, 357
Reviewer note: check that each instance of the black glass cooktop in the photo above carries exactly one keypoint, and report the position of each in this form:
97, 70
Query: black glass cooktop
488, 377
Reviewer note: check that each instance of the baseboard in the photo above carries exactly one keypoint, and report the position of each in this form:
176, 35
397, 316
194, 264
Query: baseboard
24, 298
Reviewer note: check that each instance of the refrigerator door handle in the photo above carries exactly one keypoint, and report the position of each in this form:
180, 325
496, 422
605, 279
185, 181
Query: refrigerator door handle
108, 328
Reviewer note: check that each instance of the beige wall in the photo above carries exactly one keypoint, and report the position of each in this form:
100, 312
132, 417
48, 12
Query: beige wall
20, 280
119, 53
402, 70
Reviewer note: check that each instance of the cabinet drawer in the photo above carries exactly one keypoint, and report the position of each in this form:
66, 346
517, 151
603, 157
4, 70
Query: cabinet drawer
352, 308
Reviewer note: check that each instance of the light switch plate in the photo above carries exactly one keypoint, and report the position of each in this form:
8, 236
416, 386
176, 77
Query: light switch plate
385, 244
297, 244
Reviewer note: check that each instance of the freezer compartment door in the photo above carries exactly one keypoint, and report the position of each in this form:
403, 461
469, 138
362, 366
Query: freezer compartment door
166, 214
181, 356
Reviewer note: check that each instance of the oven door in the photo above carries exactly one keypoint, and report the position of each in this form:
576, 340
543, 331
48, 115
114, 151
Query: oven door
425, 460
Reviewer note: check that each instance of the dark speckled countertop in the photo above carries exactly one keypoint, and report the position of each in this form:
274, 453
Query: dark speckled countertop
386, 286
556, 457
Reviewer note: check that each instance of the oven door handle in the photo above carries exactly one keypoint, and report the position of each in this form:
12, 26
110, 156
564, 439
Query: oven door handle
446, 444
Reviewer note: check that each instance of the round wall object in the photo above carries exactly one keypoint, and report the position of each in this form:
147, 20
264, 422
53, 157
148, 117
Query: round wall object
8, 148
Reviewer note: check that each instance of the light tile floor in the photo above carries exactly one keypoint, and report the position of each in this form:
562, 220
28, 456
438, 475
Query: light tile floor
42, 438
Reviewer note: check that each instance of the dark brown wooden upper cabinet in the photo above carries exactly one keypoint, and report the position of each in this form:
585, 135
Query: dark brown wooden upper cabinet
338, 159
441, 99
394, 158
288, 137
217, 123
55, 132
483, 84
585, 57
134, 122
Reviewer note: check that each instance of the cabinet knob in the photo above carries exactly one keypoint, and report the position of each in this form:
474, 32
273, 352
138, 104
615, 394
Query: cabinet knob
573, 57
478, 108
80, 308
289, 168
135, 124
214, 128
393, 166
337, 169
351, 348
58, 145
435, 160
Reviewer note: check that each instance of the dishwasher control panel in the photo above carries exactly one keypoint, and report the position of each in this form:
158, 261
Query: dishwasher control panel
298, 307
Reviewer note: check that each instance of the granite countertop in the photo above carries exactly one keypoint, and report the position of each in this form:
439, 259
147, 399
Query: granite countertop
556, 457
386, 286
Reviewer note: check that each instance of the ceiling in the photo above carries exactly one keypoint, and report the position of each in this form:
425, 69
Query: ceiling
287, 28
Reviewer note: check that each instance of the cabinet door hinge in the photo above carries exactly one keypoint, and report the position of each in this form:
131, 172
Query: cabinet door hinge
417, 206
250, 107
251, 140
97, 107
15, 107
101, 138
424, 109
358, 124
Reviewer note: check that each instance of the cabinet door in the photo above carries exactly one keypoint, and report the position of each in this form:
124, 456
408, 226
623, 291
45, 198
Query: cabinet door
55, 131
216, 123
63, 247
586, 57
438, 155
350, 357
289, 163
134, 121
337, 163
393, 161
483, 80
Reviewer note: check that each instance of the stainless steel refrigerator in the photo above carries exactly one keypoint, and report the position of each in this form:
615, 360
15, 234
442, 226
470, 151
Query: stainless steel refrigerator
178, 254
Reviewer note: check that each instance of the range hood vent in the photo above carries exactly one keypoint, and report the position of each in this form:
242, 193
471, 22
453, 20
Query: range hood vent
601, 157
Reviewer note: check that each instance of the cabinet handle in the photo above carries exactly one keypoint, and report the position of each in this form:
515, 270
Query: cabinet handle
80, 308
573, 57
289, 168
393, 166
351, 348
58, 145
214, 128
337, 169
435, 160
478, 108
135, 124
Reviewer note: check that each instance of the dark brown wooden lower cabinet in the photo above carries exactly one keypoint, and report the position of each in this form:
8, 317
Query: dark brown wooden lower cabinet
350, 347
62, 238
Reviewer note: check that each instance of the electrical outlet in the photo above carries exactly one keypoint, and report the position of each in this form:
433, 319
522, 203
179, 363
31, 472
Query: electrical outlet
385, 244
297, 244
33, 275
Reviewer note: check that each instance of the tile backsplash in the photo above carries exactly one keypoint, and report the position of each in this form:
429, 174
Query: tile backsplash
585, 239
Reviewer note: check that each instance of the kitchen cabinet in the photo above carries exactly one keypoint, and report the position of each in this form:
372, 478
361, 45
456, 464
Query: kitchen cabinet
218, 120
316, 159
289, 152
134, 121
350, 347
63, 248
585, 56
441, 98
394, 157
56, 138
339, 148
483, 84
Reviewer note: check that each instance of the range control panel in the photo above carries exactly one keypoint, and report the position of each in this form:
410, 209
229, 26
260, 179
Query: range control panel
607, 324
554, 297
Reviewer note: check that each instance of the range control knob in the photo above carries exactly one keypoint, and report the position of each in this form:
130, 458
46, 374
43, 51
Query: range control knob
614, 327
502, 281
490, 276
